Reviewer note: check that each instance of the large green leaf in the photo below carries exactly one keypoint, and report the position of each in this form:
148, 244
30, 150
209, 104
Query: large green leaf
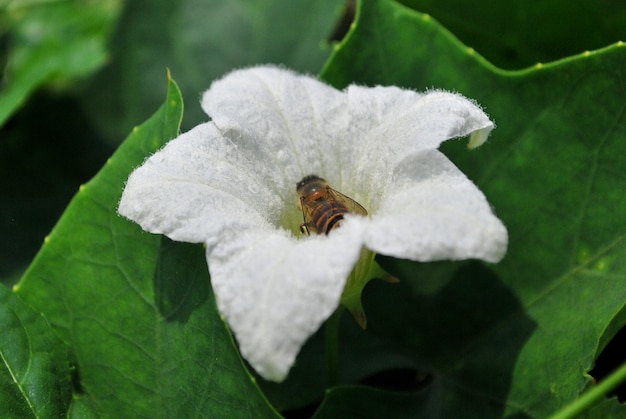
51, 42
519, 34
516, 338
136, 309
35, 373
200, 41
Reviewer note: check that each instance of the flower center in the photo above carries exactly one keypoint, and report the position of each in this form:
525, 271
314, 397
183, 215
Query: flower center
321, 208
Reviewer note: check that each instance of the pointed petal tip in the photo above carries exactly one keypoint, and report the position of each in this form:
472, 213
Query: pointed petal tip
272, 373
499, 241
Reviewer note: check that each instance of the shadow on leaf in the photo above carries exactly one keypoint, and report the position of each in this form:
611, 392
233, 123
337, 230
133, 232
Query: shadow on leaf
462, 325
181, 280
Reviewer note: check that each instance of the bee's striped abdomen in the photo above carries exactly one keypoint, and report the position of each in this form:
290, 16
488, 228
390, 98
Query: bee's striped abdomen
327, 216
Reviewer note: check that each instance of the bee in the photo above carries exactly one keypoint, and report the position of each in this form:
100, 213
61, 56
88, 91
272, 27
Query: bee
323, 207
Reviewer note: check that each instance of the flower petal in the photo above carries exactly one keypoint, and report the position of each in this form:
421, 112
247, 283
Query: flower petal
198, 189
281, 119
275, 291
353, 138
431, 211
392, 124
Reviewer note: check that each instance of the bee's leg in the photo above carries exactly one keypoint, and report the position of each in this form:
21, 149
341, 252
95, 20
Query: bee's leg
304, 229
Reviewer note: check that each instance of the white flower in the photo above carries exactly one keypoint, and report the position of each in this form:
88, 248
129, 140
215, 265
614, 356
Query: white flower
230, 183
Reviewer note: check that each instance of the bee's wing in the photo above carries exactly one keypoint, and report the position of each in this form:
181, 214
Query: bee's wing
352, 206
307, 224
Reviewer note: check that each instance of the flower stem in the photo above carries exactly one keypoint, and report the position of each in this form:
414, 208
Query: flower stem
592, 396
332, 347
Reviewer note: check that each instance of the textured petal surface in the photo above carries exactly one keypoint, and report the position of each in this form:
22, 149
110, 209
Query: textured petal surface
276, 117
431, 211
275, 291
198, 189
353, 139
391, 125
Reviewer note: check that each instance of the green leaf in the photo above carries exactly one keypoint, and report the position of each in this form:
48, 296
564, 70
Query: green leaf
35, 374
82, 408
519, 34
519, 337
199, 42
50, 43
137, 310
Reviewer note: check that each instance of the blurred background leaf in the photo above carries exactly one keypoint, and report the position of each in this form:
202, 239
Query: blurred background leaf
51, 43
198, 42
